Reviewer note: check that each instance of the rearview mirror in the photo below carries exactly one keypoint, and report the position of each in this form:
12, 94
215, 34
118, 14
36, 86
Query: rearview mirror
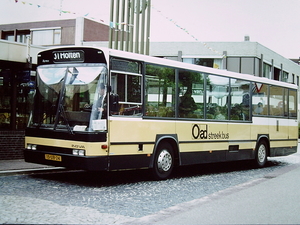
114, 103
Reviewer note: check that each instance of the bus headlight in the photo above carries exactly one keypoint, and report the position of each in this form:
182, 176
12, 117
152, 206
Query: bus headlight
81, 152
31, 147
78, 152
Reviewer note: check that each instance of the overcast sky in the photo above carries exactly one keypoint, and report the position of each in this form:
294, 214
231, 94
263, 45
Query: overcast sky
272, 23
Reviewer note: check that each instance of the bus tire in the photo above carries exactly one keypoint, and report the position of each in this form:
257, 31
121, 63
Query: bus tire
261, 154
163, 161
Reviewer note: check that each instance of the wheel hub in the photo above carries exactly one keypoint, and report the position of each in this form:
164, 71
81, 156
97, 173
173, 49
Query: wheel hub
164, 161
261, 153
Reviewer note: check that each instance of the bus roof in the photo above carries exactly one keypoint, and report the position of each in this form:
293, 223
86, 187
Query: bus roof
177, 64
188, 66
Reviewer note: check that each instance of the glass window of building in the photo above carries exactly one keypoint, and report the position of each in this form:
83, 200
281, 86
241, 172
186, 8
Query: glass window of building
5, 90
208, 62
16, 94
9, 37
247, 65
267, 72
285, 76
46, 36
205, 62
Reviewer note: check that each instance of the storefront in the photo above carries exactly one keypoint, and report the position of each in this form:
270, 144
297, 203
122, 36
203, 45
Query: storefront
16, 91
16, 94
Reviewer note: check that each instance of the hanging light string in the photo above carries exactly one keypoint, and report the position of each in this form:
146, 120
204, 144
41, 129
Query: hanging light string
59, 10
111, 24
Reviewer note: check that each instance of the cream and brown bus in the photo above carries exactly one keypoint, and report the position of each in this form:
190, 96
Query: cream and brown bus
102, 109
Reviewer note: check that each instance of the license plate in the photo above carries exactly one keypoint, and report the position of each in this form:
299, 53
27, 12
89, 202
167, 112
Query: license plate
53, 157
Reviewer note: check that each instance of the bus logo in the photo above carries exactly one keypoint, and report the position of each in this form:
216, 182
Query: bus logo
199, 131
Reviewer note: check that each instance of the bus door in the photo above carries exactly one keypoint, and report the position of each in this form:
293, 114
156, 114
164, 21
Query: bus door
125, 127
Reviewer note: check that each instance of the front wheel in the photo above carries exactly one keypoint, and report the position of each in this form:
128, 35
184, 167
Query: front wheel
163, 162
261, 154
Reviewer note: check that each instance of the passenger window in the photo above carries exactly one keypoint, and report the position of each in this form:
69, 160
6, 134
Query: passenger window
126, 88
260, 99
160, 91
277, 101
292, 100
128, 91
191, 94
217, 97
240, 100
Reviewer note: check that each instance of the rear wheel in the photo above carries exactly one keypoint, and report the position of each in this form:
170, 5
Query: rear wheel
163, 162
261, 154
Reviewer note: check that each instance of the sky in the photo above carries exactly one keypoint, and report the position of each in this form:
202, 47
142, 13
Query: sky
272, 23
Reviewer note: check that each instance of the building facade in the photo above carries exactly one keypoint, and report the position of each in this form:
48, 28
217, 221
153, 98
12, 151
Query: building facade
56, 32
241, 57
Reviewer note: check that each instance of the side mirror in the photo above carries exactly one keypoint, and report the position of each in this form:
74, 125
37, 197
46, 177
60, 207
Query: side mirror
114, 103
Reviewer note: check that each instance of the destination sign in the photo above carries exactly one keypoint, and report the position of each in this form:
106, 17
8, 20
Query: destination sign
68, 56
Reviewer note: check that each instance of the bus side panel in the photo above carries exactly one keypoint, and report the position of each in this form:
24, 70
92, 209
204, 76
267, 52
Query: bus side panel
290, 144
206, 142
282, 133
132, 141
260, 126
278, 129
293, 129
240, 143
195, 142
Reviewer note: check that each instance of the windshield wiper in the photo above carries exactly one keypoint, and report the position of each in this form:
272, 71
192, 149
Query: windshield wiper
60, 108
74, 75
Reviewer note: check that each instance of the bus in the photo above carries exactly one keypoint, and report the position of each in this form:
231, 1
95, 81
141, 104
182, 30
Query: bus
101, 109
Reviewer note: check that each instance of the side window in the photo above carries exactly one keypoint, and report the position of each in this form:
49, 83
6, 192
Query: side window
286, 102
191, 94
240, 100
160, 91
217, 91
292, 103
277, 101
126, 88
260, 99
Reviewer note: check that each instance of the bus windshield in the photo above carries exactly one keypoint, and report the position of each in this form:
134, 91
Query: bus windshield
71, 97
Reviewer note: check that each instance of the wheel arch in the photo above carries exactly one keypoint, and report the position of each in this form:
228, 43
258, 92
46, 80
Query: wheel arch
266, 139
172, 139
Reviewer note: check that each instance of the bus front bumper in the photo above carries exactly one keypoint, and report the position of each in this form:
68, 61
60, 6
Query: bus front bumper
90, 163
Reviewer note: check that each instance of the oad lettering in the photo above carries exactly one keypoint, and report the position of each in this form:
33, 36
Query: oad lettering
200, 131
